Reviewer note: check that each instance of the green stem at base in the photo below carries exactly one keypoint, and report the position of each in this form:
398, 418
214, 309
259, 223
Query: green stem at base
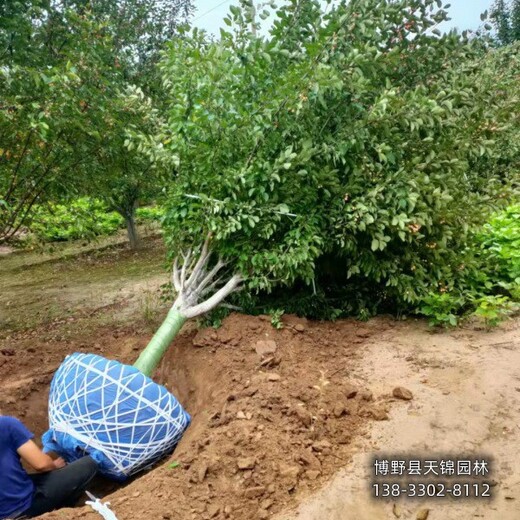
151, 356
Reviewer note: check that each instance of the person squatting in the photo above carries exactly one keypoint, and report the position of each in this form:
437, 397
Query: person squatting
55, 484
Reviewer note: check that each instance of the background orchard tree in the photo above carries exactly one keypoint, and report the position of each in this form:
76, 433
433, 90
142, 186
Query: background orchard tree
67, 68
125, 178
505, 16
51, 106
336, 156
138, 30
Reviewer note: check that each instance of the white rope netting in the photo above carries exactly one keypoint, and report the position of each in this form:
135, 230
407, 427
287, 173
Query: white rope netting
114, 413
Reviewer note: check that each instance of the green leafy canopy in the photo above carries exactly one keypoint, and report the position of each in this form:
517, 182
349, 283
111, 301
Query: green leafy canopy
343, 150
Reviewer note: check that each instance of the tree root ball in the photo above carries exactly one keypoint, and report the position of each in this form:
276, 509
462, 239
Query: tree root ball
112, 412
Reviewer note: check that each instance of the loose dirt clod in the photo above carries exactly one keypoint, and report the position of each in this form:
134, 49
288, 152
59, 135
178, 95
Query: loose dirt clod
265, 347
309, 459
205, 338
290, 472
351, 392
339, 410
247, 463
266, 503
254, 492
367, 395
312, 474
379, 414
321, 446
423, 514
202, 471
402, 393
303, 415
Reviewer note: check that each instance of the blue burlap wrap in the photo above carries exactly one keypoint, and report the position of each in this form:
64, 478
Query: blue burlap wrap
112, 412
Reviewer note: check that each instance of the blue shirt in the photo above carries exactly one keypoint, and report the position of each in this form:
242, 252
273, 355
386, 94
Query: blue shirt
16, 488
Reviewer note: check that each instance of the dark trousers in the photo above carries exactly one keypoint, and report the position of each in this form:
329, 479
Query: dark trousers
62, 487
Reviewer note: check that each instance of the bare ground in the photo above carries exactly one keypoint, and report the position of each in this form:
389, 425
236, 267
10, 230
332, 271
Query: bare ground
288, 435
466, 386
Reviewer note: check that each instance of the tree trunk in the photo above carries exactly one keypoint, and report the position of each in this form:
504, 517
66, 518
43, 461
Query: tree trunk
131, 228
191, 283
151, 356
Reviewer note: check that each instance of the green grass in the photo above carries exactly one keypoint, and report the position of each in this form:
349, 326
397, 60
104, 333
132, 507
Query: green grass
83, 218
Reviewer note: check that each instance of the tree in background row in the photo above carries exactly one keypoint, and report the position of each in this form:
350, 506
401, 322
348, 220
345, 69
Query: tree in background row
46, 126
139, 29
505, 16
67, 70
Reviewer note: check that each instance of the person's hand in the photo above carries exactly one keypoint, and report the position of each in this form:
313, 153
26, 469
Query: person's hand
59, 463
35, 457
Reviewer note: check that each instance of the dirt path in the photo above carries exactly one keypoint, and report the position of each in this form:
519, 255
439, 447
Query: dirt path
37, 287
287, 434
466, 387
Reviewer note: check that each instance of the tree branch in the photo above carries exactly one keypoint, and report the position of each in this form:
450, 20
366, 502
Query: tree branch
199, 283
186, 259
204, 307
175, 275
204, 255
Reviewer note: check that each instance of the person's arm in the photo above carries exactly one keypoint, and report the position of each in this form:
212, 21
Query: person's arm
38, 460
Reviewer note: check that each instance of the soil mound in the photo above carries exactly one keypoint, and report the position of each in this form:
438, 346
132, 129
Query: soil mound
274, 415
